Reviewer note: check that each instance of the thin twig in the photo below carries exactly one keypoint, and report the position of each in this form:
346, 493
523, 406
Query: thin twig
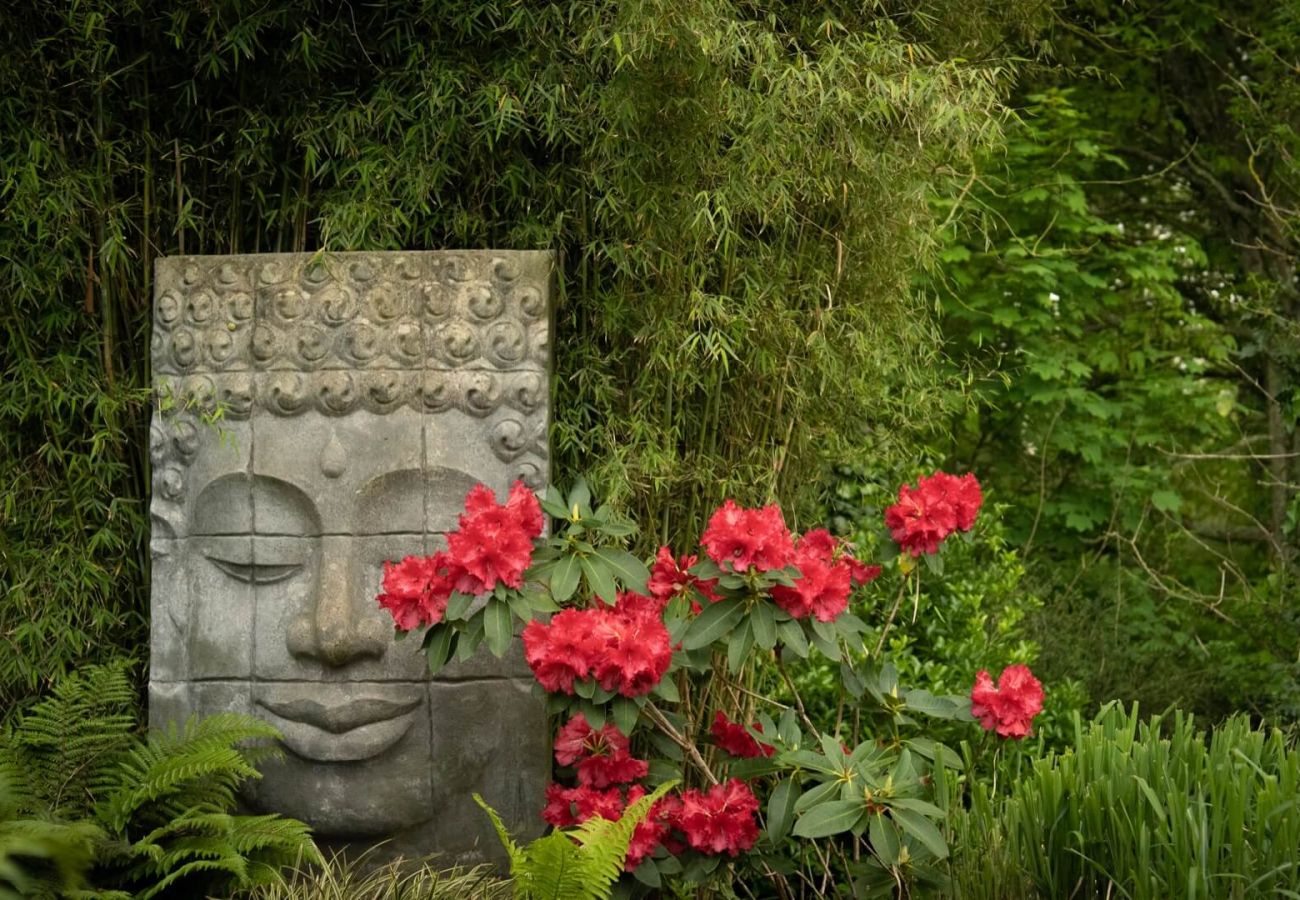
798, 701
660, 720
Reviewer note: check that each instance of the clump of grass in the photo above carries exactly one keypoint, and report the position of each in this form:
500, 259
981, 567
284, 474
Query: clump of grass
364, 878
1144, 810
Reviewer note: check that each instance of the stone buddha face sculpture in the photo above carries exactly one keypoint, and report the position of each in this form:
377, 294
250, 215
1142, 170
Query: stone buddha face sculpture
316, 417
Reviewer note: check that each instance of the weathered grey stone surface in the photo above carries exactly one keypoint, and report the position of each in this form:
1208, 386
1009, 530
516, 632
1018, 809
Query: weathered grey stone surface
317, 416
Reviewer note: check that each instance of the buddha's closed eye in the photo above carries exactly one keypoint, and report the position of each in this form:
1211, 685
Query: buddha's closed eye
256, 573
258, 561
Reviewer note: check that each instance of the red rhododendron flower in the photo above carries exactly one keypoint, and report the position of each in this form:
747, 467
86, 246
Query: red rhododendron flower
861, 573
416, 590
494, 543
670, 577
733, 738
561, 651
635, 651
572, 806
827, 575
624, 648
654, 831
738, 539
721, 819
602, 756
558, 810
1011, 706
589, 801
926, 514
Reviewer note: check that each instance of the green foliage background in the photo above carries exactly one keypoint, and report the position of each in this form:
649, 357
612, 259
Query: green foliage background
738, 192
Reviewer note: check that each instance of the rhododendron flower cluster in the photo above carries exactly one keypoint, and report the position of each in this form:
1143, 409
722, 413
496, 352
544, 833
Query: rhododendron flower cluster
671, 577
601, 756
624, 648
733, 738
738, 539
493, 545
926, 514
721, 819
1011, 706
827, 575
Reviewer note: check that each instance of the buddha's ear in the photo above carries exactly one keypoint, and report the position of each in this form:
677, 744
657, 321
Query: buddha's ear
162, 529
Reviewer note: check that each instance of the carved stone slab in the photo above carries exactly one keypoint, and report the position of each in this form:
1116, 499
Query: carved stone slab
315, 416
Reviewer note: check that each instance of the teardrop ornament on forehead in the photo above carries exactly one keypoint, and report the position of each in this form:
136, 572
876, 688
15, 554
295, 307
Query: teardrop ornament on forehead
333, 458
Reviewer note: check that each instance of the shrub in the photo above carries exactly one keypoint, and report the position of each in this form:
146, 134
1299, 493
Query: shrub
159, 806
1140, 809
666, 662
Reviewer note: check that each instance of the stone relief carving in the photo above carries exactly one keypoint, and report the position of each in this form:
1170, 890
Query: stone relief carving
315, 417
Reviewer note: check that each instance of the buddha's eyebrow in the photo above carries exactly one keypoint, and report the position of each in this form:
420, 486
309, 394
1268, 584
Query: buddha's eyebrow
240, 503
391, 503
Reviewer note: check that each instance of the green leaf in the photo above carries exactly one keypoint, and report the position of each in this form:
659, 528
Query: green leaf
713, 623
564, 579
553, 503
918, 806
667, 689
791, 634
921, 828
626, 568
441, 647
739, 644
829, 818
817, 794
457, 605
498, 626
521, 605
780, 809
935, 752
827, 645
600, 578
626, 712
852, 682
934, 562
763, 620
579, 496
923, 701
884, 839
1167, 501
648, 874
470, 638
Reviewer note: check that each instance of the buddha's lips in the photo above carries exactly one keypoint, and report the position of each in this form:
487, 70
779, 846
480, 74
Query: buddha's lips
341, 717
348, 730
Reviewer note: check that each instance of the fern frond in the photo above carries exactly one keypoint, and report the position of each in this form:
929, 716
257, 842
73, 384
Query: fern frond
603, 844
581, 863
63, 743
512, 849
203, 764
551, 870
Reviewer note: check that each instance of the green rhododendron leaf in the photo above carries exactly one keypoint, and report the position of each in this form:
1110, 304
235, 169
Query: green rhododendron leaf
884, 839
780, 809
825, 819
713, 623
921, 828
600, 578
630, 571
564, 578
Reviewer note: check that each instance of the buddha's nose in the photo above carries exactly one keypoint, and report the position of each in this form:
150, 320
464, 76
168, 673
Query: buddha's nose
334, 627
